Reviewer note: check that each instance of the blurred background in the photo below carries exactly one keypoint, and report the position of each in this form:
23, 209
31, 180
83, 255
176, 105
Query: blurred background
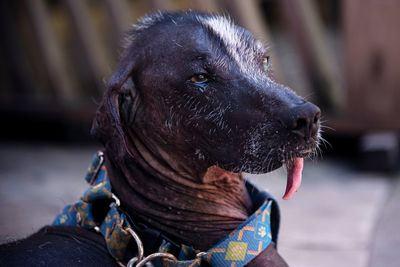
342, 55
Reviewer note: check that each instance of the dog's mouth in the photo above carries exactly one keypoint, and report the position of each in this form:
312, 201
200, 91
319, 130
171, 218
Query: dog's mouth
294, 166
294, 176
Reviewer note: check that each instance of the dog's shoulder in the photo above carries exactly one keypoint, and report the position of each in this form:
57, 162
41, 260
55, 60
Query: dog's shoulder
57, 246
268, 258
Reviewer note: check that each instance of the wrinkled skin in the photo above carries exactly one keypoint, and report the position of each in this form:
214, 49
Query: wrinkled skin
163, 130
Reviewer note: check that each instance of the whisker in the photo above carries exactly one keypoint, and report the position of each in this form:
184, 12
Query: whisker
325, 142
327, 127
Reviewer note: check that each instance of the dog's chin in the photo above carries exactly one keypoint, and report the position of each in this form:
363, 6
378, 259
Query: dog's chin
271, 166
293, 161
258, 168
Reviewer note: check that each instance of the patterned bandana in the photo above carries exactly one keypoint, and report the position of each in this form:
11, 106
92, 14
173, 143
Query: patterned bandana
99, 210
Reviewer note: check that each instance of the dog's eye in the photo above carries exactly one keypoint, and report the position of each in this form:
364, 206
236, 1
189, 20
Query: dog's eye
199, 79
266, 63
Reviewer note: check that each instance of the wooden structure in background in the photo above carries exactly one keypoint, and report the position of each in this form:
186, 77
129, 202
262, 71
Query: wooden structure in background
372, 65
59, 53
307, 32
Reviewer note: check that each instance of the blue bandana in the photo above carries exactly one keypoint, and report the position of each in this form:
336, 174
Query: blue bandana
237, 249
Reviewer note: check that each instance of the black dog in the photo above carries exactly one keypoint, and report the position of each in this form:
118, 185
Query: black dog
190, 106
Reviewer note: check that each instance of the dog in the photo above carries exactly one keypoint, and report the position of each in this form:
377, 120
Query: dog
190, 106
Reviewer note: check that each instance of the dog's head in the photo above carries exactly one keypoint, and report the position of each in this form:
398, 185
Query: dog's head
197, 88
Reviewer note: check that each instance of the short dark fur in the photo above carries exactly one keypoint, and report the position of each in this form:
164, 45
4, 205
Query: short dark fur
162, 130
158, 99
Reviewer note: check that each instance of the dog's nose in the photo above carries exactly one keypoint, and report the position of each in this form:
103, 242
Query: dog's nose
302, 119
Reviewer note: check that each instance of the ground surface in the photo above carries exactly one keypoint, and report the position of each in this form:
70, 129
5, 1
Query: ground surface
340, 217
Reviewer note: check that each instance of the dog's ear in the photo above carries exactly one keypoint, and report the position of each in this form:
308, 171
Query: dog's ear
113, 113
128, 102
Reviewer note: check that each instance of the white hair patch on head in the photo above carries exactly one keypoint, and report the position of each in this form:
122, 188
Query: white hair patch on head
244, 49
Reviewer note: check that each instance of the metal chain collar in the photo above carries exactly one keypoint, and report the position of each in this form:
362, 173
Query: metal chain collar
239, 247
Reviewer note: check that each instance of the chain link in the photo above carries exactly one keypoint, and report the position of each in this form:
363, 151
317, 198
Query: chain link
139, 261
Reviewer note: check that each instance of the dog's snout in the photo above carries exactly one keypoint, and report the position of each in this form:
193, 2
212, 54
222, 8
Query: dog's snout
302, 119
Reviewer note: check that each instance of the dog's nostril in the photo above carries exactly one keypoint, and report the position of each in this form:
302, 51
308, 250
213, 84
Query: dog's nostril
299, 124
302, 119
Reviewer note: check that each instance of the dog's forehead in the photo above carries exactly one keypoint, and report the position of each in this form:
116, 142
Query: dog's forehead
149, 20
241, 46
232, 36
247, 52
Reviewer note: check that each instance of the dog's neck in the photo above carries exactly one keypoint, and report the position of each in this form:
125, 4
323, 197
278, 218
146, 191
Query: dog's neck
192, 212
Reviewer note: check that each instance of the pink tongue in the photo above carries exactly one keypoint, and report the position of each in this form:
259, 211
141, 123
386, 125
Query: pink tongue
293, 178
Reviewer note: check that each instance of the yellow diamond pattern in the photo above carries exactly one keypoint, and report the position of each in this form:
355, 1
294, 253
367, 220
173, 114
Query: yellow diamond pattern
236, 251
